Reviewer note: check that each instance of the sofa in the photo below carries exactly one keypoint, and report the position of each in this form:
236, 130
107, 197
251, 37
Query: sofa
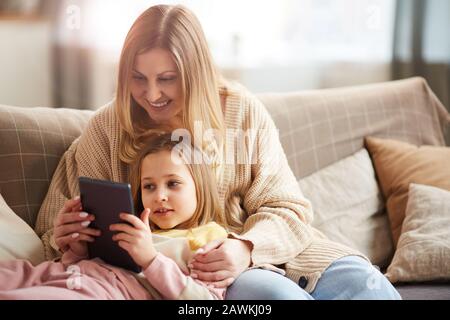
322, 132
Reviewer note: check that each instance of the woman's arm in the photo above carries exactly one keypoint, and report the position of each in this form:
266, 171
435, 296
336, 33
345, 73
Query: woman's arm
278, 214
89, 155
277, 228
61, 189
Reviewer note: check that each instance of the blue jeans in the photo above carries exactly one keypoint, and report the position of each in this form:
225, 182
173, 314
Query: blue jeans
347, 278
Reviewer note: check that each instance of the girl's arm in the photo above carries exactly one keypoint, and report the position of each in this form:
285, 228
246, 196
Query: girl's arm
162, 272
166, 277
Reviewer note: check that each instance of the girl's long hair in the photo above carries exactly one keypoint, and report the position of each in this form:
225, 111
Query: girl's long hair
208, 203
176, 29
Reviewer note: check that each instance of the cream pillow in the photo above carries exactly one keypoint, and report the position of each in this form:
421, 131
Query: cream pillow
423, 250
17, 239
348, 206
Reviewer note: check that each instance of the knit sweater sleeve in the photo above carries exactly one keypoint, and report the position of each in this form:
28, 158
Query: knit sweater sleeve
88, 155
278, 214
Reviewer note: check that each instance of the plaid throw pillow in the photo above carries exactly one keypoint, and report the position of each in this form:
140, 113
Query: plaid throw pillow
32, 141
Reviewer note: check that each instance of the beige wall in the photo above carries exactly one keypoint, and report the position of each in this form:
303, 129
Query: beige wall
25, 62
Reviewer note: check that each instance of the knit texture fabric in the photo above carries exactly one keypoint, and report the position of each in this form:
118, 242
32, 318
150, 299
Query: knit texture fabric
262, 193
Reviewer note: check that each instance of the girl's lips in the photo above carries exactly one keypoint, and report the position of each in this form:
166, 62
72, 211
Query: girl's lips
162, 213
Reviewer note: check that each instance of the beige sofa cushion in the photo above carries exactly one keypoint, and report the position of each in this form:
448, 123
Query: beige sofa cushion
32, 141
398, 164
423, 251
348, 206
17, 239
321, 127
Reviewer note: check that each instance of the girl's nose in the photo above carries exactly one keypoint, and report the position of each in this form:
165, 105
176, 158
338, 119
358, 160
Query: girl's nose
161, 196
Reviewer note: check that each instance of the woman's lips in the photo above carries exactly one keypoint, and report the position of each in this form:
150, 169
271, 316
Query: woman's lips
159, 109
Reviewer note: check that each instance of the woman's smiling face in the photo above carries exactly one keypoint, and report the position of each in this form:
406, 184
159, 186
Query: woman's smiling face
156, 86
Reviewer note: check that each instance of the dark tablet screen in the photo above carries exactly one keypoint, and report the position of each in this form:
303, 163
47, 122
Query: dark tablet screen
106, 200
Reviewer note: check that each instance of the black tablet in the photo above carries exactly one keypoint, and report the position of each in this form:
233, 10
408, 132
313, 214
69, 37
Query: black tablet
106, 200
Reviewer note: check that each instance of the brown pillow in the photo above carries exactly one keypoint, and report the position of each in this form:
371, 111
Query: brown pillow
398, 164
32, 141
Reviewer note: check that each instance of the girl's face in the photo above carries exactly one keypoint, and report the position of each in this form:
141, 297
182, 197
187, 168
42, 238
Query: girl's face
167, 188
156, 86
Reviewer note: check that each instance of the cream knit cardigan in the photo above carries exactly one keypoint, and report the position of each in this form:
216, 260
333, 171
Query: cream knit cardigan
265, 195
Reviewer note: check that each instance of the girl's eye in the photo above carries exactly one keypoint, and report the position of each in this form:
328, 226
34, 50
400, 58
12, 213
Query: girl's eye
149, 186
173, 183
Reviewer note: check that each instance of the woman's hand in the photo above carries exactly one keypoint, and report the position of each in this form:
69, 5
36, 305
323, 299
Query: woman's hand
220, 262
136, 238
71, 228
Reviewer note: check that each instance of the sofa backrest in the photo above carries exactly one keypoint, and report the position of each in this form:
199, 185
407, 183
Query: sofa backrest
320, 127
317, 128
32, 141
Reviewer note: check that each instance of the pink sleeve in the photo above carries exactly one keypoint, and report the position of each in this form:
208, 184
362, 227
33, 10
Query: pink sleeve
166, 277
69, 257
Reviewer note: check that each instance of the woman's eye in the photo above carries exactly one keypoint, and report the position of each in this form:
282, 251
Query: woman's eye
166, 79
149, 187
139, 78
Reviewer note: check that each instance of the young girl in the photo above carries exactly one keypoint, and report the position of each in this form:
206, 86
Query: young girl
181, 203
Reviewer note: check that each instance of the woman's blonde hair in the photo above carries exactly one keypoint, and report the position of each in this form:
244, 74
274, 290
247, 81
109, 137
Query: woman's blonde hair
176, 29
208, 203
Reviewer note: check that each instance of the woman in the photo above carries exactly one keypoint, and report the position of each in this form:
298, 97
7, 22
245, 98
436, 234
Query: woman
167, 81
